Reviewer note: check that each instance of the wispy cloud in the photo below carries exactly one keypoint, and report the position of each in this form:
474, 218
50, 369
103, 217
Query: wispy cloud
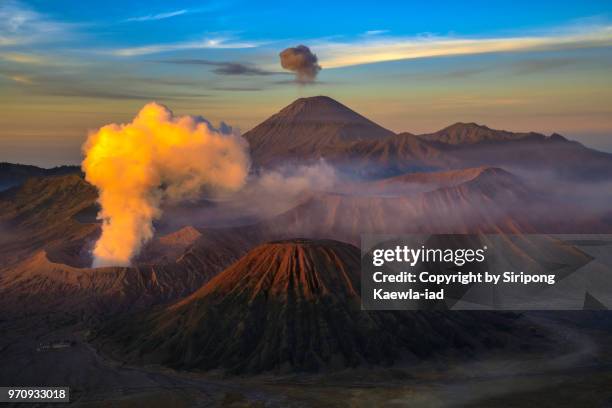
209, 7
159, 16
532, 66
237, 89
454, 74
85, 91
223, 67
21, 58
21, 79
19, 25
72, 85
381, 49
215, 43
376, 32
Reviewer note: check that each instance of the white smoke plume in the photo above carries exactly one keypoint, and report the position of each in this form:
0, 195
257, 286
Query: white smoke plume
156, 158
289, 181
265, 195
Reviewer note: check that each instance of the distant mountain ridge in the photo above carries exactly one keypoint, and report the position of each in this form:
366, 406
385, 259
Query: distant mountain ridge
12, 174
471, 133
320, 127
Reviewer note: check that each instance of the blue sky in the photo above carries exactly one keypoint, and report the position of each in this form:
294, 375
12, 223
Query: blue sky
70, 66
282, 20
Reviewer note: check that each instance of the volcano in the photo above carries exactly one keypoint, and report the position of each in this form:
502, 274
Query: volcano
291, 306
320, 127
471, 133
309, 128
40, 284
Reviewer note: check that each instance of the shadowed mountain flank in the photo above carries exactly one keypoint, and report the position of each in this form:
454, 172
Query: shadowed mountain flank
309, 128
12, 174
320, 127
45, 212
290, 306
470, 133
469, 144
42, 285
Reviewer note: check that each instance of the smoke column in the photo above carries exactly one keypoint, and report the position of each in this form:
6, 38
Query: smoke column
301, 61
157, 157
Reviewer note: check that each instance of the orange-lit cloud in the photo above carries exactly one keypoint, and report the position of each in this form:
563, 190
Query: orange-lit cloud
157, 157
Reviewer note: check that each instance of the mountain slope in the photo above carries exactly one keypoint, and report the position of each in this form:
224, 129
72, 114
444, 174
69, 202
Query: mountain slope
480, 200
168, 248
44, 212
391, 155
39, 284
470, 133
432, 179
483, 199
292, 306
308, 129
319, 127
14, 174
470, 145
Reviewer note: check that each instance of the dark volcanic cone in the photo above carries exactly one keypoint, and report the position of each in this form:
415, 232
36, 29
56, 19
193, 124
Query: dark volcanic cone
293, 306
